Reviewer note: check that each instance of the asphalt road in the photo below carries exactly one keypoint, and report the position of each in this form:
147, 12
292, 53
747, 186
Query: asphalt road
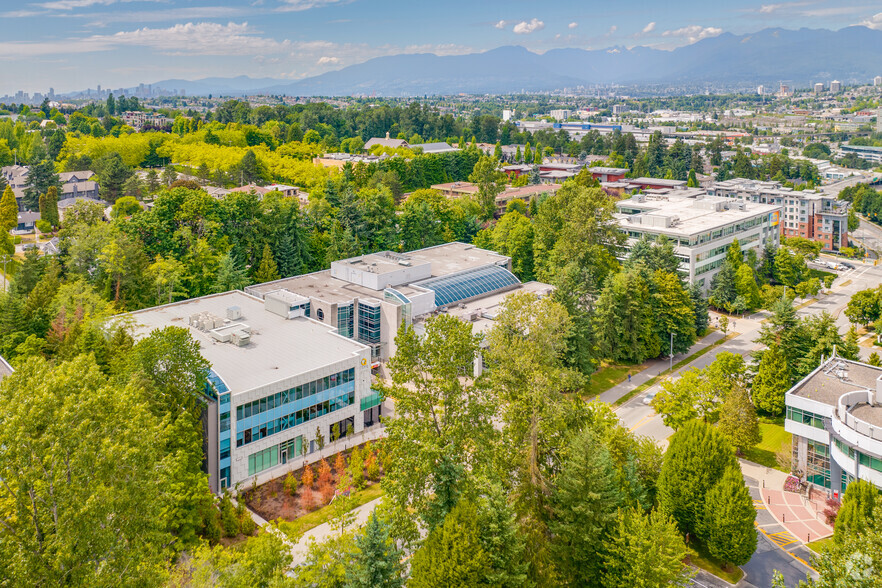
642, 419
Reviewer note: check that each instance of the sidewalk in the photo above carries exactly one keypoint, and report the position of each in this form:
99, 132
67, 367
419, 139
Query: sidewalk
656, 367
785, 522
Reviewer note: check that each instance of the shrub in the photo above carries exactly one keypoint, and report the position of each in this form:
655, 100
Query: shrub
307, 501
327, 492
290, 484
308, 477
324, 477
340, 464
373, 468
229, 520
43, 226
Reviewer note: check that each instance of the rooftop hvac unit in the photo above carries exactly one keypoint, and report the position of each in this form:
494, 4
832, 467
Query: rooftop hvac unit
234, 313
240, 338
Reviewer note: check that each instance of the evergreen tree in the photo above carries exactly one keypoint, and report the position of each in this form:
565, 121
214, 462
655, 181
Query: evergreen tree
113, 175
152, 182
696, 458
858, 510
584, 502
376, 562
251, 170
727, 526
230, 276
623, 319
771, 382
672, 312
169, 176
267, 271
452, 554
723, 290
745, 285
8, 210
692, 181
501, 539
41, 177
699, 308
738, 422
645, 550
849, 348
49, 211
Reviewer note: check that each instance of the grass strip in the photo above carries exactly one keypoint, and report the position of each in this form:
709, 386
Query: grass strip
774, 439
652, 381
609, 376
819, 545
309, 521
699, 557
806, 303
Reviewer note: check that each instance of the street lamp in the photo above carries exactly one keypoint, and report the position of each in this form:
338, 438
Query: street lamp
672, 352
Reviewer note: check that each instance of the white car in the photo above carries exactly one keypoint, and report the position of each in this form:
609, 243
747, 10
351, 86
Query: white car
649, 396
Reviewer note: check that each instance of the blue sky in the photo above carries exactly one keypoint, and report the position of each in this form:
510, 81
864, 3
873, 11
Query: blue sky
75, 44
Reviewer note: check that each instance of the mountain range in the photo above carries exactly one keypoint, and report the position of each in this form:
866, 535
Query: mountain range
799, 57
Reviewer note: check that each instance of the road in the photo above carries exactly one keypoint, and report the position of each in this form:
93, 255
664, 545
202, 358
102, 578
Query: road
642, 419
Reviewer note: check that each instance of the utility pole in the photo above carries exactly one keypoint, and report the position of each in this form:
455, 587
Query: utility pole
672, 352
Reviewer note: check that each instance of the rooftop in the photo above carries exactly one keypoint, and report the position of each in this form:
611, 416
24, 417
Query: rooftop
827, 383
674, 215
482, 312
446, 259
279, 348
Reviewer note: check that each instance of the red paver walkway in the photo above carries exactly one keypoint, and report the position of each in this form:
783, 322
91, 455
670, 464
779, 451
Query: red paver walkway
802, 518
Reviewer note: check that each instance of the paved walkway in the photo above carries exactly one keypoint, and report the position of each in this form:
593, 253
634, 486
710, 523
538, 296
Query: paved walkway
801, 517
654, 368
780, 546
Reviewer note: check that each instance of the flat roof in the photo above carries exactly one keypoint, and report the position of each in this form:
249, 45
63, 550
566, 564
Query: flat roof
279, 348
827, 384
689, 218
322, 286
455, 257
446, 259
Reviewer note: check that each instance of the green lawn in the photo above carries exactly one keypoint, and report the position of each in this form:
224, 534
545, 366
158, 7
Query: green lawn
820, 274
775, 438
607, 377
299, 526
700, 558
820, 544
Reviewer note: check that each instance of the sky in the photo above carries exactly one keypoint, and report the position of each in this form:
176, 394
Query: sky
77, 44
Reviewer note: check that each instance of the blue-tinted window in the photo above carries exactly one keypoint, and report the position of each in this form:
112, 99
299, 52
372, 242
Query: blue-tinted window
477, 282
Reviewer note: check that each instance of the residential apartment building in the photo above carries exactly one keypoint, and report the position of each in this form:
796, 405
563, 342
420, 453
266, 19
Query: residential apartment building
810, 213
835, 416
276, 377
701, 227
522, 193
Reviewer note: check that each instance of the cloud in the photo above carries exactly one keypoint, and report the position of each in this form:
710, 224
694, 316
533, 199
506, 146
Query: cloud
325, 60
648, 28
612, 30
525, 28
782, 6
572, 25
693, 33
300, 5
501, 24
74, 4
873, 22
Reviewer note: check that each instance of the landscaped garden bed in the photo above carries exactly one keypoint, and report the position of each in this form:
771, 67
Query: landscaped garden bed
304, 490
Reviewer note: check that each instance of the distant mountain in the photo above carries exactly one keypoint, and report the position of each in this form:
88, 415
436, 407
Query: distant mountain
224, 86
799, 57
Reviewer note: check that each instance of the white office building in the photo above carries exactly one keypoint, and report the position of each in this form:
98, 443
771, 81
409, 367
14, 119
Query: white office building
701, 227
835, 416
276, 378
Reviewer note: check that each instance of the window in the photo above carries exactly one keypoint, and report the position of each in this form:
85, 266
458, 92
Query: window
263, 460
465, 285
805, 417
345, 320
320, 314
369, 323
818, 464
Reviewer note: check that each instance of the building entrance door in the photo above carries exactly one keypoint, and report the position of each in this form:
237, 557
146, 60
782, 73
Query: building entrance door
284, 456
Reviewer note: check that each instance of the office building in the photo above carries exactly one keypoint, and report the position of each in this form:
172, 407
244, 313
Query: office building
561, 114
368, 297
819, 87
877, 81
835, 86
276, 377
835, 417
701, 227
808, 213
